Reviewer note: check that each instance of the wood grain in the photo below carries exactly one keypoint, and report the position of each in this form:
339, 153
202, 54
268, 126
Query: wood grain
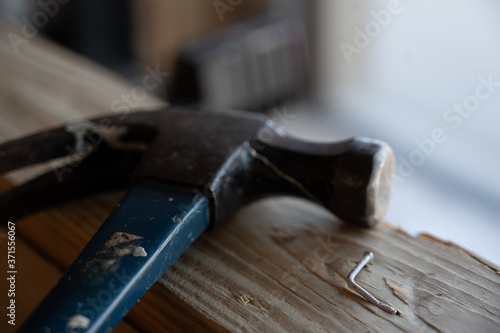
279, 265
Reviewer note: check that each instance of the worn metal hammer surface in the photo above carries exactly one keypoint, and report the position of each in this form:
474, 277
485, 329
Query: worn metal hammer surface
188, 171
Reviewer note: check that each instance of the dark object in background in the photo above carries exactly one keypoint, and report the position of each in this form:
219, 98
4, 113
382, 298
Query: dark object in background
100, 30
255, 65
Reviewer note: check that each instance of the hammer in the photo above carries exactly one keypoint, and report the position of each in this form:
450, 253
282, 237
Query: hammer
188, 171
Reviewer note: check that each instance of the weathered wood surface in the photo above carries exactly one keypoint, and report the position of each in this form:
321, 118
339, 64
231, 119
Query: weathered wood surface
278, 265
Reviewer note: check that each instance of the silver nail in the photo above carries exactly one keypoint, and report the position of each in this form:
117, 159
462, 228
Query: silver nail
360, 290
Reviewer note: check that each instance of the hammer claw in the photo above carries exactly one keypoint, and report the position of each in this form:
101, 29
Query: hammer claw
34, 149
105, 170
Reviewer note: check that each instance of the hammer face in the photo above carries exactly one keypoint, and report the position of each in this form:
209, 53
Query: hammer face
362, 182
380, 186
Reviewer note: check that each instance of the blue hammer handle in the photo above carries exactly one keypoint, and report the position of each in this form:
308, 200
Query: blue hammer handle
139, 241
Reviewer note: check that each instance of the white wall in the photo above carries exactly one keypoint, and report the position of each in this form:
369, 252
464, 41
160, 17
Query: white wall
400, 87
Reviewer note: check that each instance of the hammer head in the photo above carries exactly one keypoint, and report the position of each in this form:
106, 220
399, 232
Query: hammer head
230, 157
237, 157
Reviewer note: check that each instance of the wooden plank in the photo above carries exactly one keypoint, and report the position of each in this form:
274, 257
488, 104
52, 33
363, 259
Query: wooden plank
281, 265
278, 265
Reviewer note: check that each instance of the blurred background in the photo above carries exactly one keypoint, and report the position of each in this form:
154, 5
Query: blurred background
423, 76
